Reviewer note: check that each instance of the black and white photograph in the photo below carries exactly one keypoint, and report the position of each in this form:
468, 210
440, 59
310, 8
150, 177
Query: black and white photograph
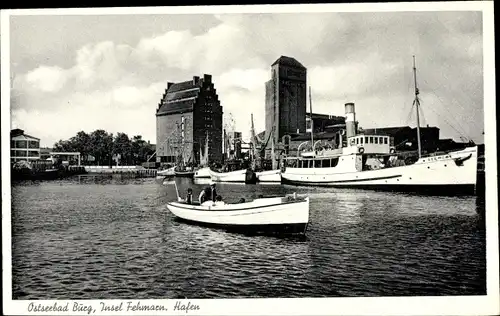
300, 159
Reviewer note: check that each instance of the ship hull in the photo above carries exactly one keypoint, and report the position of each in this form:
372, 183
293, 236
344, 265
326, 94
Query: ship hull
452, 173
269, 176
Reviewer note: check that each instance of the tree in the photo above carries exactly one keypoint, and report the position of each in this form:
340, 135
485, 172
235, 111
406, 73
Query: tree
81, 143
64, 146
123, 147
101, 144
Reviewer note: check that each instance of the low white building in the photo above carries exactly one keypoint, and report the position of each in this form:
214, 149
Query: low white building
23, 146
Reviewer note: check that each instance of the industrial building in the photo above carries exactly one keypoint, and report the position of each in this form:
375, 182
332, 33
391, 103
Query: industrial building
23, 146
286, 98
405, 137
233, 145
188, 112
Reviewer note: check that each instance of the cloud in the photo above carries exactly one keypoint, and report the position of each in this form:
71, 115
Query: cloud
361, 57
47, 79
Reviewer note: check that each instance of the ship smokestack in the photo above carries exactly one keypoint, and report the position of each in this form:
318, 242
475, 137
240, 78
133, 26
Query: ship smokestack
350, 120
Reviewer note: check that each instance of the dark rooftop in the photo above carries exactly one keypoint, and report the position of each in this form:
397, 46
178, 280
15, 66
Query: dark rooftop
16, 132
289, 61
393, 130
179, 97
181, 86
317, 136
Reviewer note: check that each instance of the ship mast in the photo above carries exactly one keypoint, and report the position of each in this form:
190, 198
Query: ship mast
311, 119
416, 102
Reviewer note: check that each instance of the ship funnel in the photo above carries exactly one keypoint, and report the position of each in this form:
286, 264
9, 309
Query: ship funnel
350, 120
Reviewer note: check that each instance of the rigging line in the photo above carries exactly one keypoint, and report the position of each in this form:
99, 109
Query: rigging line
424, 121
449, 124
446, 108
458, 103
410, 114
456, 126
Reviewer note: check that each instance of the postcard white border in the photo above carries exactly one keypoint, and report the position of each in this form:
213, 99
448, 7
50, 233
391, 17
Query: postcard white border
449, 305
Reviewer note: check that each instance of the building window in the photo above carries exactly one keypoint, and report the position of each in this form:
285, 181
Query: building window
21, 144
12, 153
12, 144
385, 140
380, 140
34, 144
33, 153
371, 139
361, 140
366, 140
317, 163
376, 140
21, 153
357, 141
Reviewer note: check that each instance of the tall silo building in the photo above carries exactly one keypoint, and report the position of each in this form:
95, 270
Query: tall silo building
286, 98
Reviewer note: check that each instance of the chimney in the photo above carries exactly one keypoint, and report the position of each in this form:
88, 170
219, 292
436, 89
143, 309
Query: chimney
196, 79
350, 120
207, 78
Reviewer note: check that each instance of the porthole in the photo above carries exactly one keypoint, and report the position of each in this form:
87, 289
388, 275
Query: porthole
445, 165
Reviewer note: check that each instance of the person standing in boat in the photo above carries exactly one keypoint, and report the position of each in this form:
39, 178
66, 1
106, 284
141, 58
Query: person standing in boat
189, 196
208, 194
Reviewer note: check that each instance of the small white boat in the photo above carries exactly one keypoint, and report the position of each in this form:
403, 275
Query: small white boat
170, 172
241, 176
274, 215
269, 176
202, 173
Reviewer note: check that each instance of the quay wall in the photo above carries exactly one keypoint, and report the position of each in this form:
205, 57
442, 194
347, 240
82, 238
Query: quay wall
133, 171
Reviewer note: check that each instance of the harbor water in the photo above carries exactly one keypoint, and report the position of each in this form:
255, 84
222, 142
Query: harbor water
114, 238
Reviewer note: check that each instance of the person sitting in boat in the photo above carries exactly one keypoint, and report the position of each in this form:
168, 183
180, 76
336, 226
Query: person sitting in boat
218, 200
208, 194
189, 197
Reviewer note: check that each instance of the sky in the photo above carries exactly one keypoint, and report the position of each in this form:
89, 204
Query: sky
86, 72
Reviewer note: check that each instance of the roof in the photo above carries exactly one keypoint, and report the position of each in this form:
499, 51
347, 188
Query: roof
317, 136
393, 130
19, 132
179, 97
181, 86
325, 116
289, 61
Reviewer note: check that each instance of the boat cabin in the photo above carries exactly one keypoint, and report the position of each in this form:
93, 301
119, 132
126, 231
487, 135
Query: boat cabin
371, 144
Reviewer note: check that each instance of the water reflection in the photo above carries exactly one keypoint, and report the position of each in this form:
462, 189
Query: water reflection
78, 240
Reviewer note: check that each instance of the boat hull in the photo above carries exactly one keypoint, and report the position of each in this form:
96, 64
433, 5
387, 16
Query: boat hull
272, 176
269, 229
186, 174
203, 173
166, 173
239, 176
439, 175
265, 215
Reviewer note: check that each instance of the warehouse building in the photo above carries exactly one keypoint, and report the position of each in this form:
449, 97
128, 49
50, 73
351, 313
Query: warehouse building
188, 112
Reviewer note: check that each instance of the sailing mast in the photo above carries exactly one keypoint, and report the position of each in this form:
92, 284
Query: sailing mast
416, 102
311, 119
273, 158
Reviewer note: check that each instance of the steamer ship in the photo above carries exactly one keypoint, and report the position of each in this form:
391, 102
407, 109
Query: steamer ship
371, 162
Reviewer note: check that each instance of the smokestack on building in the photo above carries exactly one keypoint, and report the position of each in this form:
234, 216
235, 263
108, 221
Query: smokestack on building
350, 120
